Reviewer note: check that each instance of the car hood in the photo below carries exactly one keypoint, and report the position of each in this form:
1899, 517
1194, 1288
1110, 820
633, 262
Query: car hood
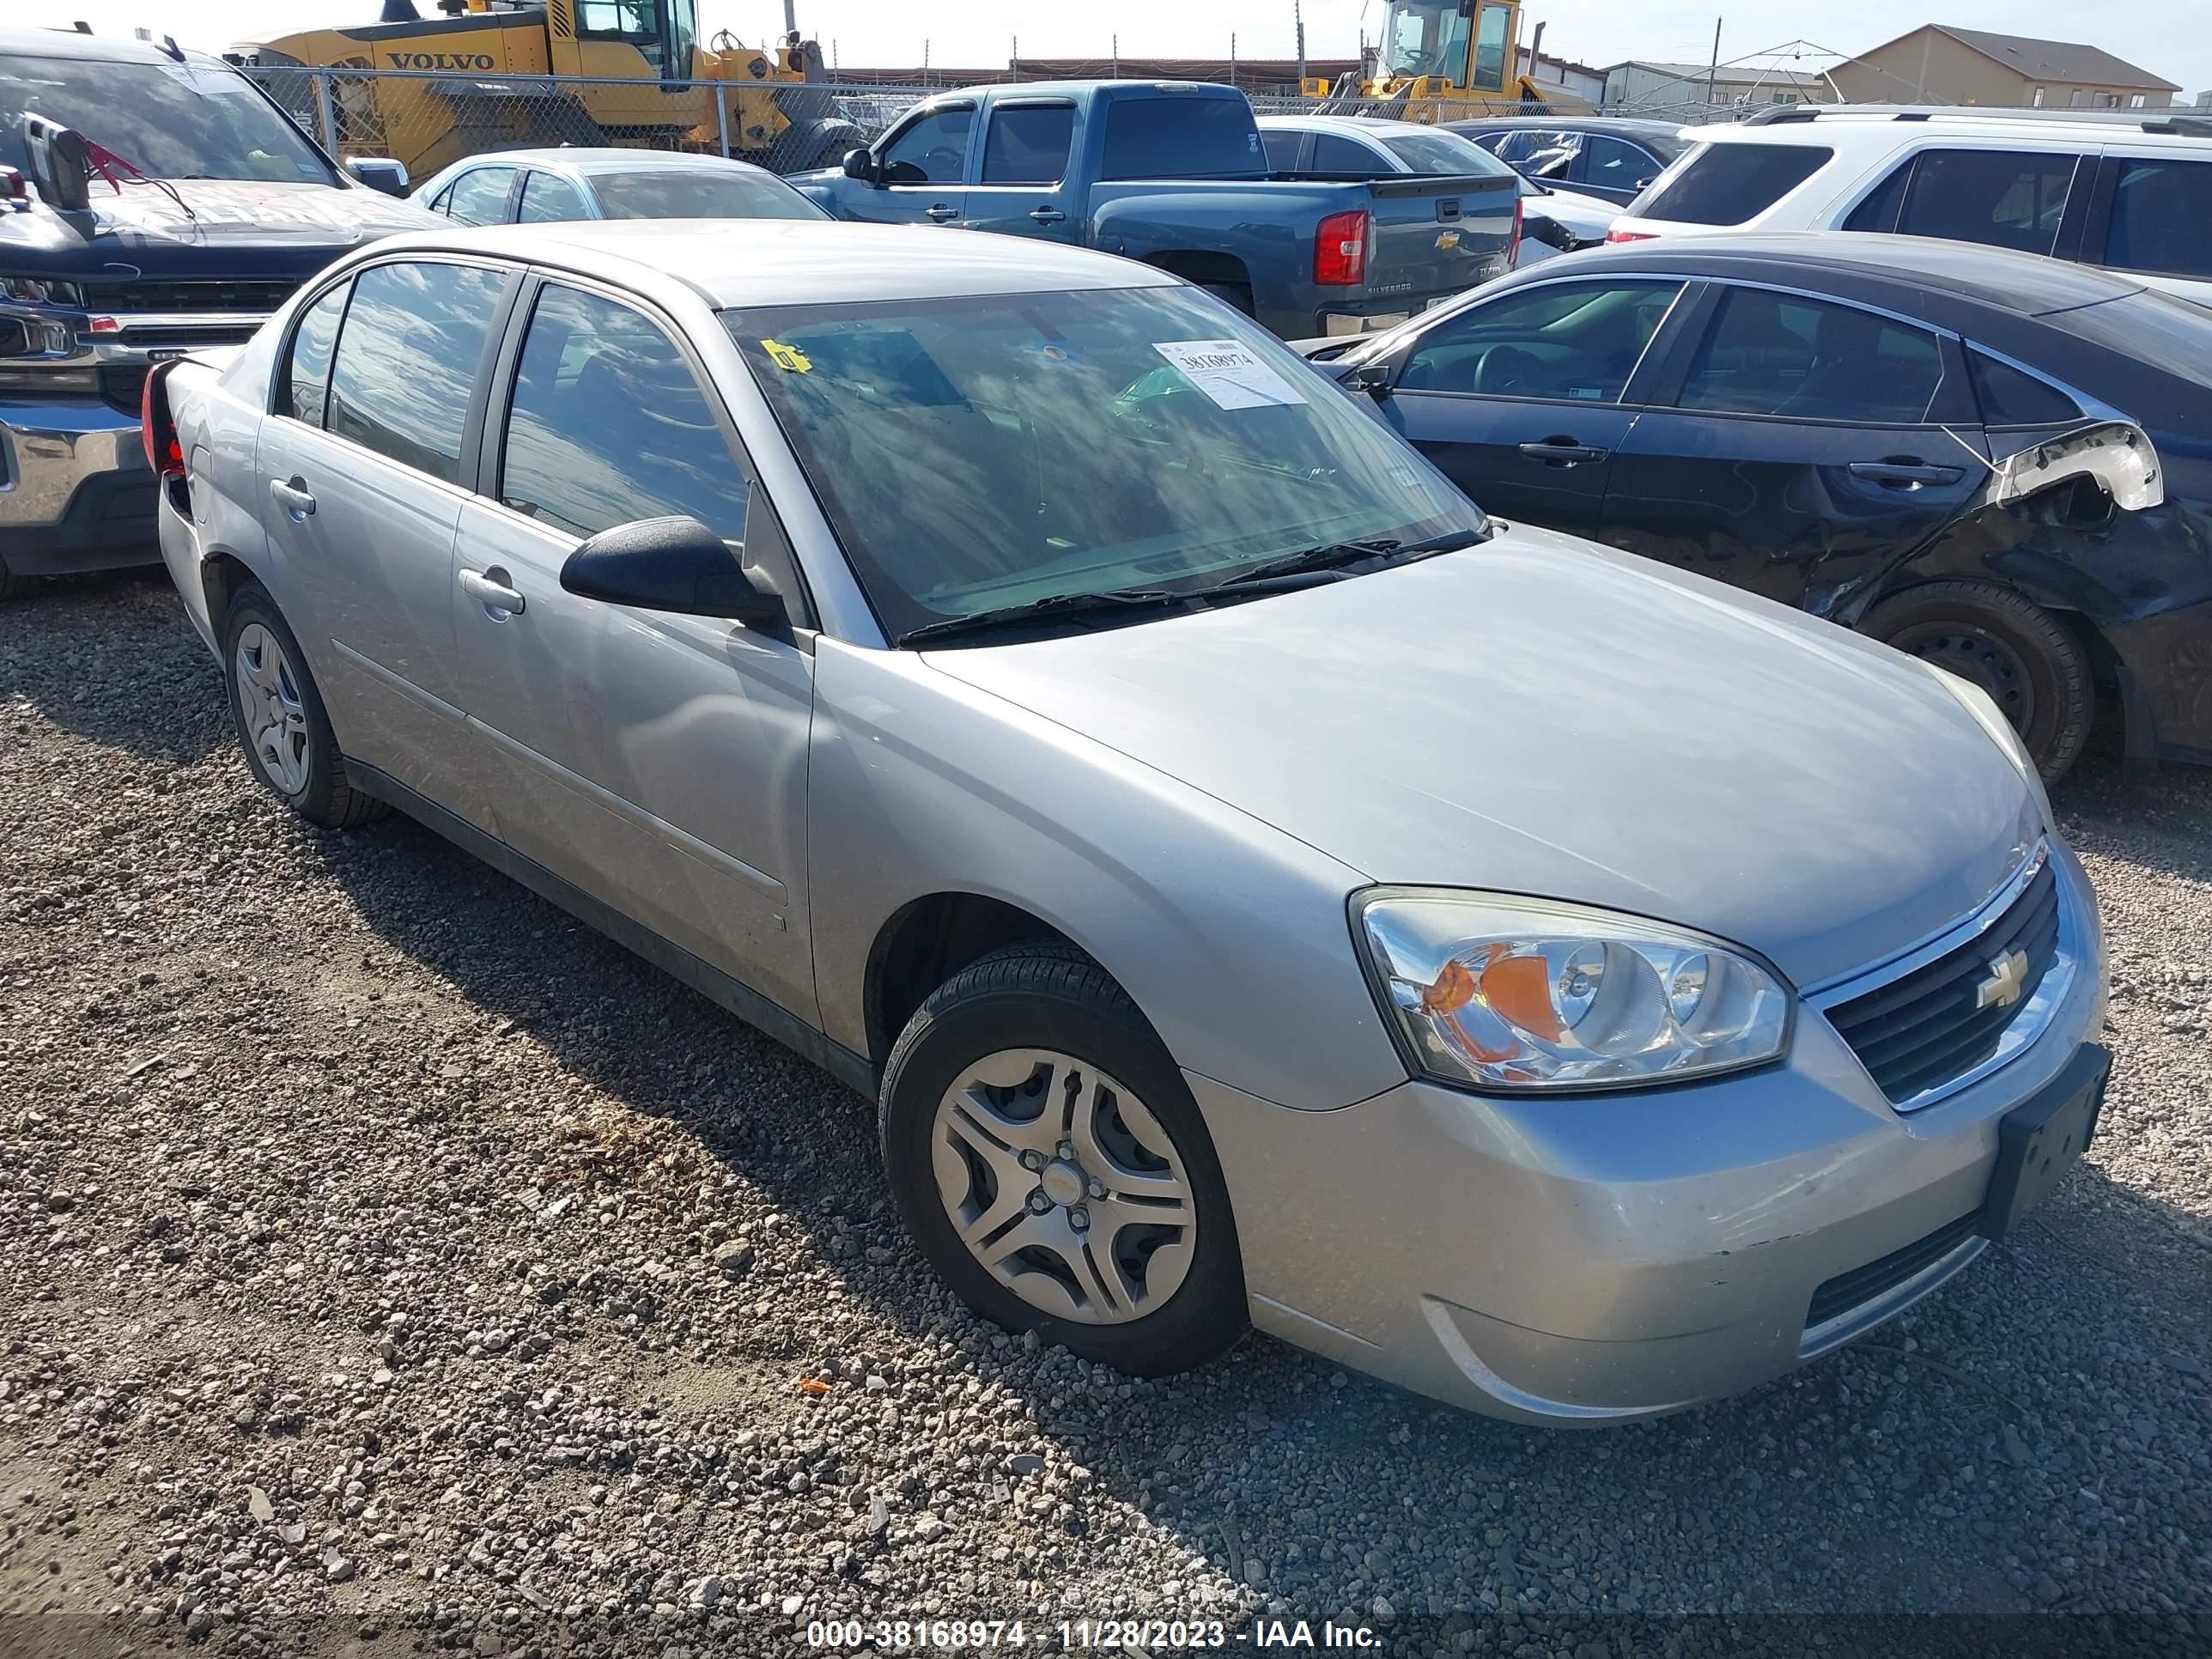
1540, 716
236, 227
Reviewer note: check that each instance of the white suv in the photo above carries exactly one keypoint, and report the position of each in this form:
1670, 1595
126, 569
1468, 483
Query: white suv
2129, 191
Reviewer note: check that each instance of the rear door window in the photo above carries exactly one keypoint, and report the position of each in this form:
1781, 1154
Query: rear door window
2005, 199
1282, 150
1766, 353
1333, 153
2161, 217
1731, 183
1181, 136
407, 361
547, 197
933, 150
1612, 164
1028, 144
307, 375
479, 197
1576, 341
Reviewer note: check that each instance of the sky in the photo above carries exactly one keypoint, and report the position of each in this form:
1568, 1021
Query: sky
2171, 38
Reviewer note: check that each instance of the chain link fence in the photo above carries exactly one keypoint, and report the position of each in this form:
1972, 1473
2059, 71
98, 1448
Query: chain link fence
430, 118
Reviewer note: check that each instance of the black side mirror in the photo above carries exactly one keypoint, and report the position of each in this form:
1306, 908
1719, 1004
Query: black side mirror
1373, 379
858, 164
380, 172
674, 564
59, 164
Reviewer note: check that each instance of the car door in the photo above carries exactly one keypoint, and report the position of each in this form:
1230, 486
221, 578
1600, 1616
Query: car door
2148, 216
1797, 445
2024, 199
1612, 168
1024, 186
364, 470
921, 171
482, 196
548, 197
656, 762
1522, 400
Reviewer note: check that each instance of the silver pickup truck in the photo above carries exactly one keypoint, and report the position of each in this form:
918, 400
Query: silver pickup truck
152, 202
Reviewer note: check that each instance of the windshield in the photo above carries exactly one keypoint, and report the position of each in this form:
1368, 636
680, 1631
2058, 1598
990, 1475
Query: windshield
697, 193
1425, 37
973, 454
189, 120
1446, 153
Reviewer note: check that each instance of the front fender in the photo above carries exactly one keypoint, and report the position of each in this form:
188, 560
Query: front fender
1230, 934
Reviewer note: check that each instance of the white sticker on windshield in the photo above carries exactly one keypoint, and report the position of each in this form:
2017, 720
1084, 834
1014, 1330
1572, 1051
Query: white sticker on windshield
1227, 372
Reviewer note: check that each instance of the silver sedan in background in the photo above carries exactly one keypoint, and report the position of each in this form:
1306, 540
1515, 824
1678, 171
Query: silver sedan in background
541, 186
1254, 886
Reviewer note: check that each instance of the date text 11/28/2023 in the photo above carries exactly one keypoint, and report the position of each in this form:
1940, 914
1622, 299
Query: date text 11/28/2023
1082, 1635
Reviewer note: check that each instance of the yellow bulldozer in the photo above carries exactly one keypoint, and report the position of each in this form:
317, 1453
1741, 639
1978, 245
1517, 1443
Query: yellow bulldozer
467, 82
1449, 60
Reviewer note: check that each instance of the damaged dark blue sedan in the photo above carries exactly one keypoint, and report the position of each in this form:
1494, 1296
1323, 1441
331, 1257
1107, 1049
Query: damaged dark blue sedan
1998, 462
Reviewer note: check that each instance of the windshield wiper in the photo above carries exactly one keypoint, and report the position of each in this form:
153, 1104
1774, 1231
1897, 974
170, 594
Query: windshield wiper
1335, 555
1053, 605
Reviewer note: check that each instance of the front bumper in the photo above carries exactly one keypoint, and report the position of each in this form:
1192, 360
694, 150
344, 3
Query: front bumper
76, 493
1592, 1258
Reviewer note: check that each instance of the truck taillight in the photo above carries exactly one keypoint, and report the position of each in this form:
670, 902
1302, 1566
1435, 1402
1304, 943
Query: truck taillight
1628, 236
1341, 250
156, 431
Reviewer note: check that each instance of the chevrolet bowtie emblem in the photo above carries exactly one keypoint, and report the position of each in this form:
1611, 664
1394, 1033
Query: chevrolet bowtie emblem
1448, 239
2007, 980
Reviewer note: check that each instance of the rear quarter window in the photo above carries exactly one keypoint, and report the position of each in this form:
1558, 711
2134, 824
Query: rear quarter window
1730, 184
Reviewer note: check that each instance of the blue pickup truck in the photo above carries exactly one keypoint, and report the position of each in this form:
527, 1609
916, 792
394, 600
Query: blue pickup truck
1172, 173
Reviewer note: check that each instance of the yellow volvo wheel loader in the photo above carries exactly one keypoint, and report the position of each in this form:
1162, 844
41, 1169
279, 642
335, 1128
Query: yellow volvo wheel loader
462, 86
1449, 60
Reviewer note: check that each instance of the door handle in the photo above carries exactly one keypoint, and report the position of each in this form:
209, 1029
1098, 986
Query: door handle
1563, 452
291, 494
1910, 474
941, 211
488, 588
1046, 215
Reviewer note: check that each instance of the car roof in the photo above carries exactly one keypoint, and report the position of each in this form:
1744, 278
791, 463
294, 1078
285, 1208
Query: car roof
1326, 122
2026, 284
1566, 123
1005, 90
93, 48
609, 158
779, 262
1882, 123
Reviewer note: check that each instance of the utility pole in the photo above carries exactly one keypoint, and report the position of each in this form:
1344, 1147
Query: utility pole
1117, 57
1713, 75
1298, 17
925, 60
1232, 58
1014, 63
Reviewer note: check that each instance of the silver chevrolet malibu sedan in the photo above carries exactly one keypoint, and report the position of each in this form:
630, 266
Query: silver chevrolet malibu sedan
1256, 888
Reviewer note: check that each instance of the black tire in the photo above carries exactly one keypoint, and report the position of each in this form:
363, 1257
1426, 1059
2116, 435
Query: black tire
2031, 662
325, 797
1237, 294
10, 583
1048, 994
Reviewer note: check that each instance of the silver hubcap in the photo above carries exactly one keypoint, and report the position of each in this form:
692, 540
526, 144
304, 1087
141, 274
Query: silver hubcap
276, 719
1063, 1185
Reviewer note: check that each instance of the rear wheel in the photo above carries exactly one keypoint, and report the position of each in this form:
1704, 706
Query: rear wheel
1052, 1165
1237, 295
2030, 662
278, 714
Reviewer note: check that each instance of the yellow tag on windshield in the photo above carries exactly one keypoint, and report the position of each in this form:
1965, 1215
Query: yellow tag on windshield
787, 357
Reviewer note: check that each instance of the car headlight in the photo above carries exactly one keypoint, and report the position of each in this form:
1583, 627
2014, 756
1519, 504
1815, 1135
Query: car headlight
1489, 991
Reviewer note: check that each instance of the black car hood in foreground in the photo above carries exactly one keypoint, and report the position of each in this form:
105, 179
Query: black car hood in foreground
233, 227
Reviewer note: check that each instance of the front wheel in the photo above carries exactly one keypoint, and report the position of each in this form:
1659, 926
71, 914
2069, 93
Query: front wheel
2030, 662
1051, 1164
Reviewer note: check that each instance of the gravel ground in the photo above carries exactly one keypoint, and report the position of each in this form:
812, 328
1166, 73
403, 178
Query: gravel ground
390, 1262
